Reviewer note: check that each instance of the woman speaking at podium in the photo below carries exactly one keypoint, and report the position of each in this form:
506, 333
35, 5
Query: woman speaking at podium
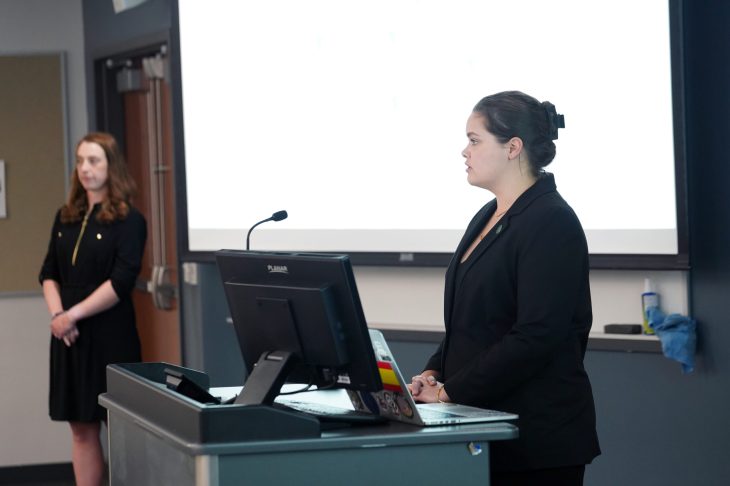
93, 260
517, 301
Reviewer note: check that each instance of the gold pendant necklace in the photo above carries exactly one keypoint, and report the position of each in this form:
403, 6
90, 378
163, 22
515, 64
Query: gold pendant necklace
78, 240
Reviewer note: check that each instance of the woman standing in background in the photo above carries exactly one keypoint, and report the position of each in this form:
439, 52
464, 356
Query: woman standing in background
517, 301
93, 259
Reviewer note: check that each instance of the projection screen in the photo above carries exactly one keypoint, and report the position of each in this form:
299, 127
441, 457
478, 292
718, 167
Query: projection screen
351, 116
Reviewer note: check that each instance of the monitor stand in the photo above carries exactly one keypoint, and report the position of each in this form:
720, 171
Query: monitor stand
266, 378
262, 386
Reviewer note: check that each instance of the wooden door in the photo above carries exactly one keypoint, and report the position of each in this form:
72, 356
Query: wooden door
142, 97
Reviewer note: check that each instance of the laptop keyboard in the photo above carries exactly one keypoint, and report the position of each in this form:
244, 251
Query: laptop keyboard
427, 414
331, 412
430, 414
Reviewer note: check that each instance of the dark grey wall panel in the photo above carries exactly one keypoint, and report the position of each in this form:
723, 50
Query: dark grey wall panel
209, 341
107, 34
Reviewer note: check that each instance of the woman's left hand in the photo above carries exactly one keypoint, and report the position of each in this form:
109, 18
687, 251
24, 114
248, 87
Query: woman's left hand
63, 326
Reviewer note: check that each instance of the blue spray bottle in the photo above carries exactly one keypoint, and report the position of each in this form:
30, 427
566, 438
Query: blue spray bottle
649, 299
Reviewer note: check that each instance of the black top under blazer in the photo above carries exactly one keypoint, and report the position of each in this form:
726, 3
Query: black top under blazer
517, 315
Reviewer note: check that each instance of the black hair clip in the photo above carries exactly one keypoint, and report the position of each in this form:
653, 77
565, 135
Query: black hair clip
555, 120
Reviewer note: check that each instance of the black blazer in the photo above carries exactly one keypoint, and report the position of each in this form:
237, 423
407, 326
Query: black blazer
517, 314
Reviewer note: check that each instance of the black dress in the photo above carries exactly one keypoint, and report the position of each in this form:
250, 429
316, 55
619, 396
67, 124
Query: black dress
103, 252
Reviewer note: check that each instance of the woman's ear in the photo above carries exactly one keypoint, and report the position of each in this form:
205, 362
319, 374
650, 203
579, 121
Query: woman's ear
514, 148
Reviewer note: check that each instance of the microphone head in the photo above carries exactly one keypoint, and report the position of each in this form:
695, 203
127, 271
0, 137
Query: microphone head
279, 215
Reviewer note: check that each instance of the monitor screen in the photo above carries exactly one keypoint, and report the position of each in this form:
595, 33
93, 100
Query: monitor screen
297, 318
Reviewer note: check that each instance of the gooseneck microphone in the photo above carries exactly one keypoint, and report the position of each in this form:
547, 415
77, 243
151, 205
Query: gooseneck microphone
277, 216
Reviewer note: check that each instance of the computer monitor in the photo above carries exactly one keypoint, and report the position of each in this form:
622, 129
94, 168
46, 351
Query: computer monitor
297, 318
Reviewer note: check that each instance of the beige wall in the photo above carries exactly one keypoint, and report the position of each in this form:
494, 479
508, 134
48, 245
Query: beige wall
28, 435
412, 298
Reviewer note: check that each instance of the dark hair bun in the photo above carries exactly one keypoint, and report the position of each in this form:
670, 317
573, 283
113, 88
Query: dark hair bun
554, 120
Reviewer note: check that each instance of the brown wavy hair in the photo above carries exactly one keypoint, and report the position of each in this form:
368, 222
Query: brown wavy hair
120, 185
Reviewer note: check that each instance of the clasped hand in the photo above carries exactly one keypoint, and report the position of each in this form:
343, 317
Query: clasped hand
63, 326
425, 388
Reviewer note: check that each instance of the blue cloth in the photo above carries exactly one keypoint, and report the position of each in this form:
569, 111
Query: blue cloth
678, 336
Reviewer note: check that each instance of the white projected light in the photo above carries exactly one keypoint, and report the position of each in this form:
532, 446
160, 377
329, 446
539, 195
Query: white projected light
351, 116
